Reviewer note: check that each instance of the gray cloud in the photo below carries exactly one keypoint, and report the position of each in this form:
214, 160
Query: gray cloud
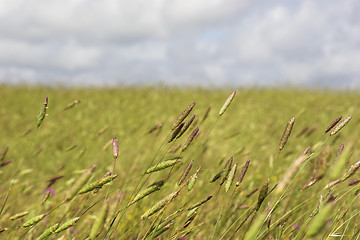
207, 43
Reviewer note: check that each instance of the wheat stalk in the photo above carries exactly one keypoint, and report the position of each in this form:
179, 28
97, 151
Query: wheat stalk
162, 224
332, 184
226, 171
262, 194
4, 163
185, 173
192, 180
341, 125
34, 220
190, 139
319, 220
206, 114
227, 103
98, 184
3, 154
351, 171
115, 147
79, 183
48, 232
42, 113
152, 188
186, 126
176, 132
230, 178
156, 127
290, 173
159, 205
163, 229
217, 176
67, 225
199, 203
286, 133
243, 172
183, 115
18, 215
332, 124
100, 221
71, 105
163, 165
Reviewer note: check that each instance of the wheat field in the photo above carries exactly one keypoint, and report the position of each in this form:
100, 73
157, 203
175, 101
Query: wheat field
110, 163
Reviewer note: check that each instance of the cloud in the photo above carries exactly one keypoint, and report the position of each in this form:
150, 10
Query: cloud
303, 43
208, 43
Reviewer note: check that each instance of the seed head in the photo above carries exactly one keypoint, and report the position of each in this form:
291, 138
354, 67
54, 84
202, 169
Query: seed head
286, 133
192, 180
152, 188
262, 194
42, 113
190, 138
115, 147
185, 173
176, 132
242, 173
186, 126
333, 124
48, 232
163, 165
34, 220
18, 215
227, 103
351, 171
71, 105
230, 178
183, 115
341, 125
67, 225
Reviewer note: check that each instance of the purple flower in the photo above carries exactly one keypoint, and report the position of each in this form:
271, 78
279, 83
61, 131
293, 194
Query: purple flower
49, 190
297, 227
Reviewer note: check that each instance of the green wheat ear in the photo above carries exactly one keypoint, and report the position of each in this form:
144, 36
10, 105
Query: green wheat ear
18, 215
262, 194
286, 133
227, 103
144, 193
41, 116
341, 125
230, 178
67, 225
183, 115
99, 223
192, 180
82, 180
97, 184
159, 205
34, 220
163, 165
48, 232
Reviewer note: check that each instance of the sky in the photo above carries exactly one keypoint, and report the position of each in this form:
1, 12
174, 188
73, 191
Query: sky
207, 43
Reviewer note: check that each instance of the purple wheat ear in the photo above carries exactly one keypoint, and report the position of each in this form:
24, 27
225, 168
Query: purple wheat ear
115, 145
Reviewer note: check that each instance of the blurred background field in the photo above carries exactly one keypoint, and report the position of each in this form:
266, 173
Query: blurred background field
74, 139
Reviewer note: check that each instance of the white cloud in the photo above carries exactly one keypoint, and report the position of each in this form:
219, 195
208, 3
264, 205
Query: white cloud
178, 42
68, 56
303, 43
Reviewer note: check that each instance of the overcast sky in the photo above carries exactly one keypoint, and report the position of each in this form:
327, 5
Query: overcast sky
181, 42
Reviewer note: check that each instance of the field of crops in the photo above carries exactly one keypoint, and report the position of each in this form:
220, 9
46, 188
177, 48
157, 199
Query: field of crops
110, 163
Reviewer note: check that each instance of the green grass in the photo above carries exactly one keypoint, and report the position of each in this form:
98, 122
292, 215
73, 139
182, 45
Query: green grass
70, 141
